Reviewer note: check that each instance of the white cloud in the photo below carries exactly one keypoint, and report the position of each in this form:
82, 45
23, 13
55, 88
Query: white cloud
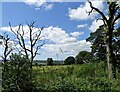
39, 3
82, 26
57, 35
59, 39
48, 6
54, 34
6, 28
80, 12
76, 34
36, 3
67, 48
25, 27
95, 25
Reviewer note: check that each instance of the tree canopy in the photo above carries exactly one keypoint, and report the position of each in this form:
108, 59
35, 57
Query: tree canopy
69, 60
83, 57
109, 20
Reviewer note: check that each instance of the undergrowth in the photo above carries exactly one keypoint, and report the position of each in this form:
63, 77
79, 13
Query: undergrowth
75, 78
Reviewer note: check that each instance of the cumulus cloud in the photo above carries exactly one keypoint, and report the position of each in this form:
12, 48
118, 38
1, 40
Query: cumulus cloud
15, 28
58, 38
56, 35
82, 26
76, 34
67, 48
39, 3
36, 3
79, 13
95, 25
64, 41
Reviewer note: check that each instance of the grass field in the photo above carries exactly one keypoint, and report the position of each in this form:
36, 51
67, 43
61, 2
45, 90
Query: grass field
75, 78
89, 77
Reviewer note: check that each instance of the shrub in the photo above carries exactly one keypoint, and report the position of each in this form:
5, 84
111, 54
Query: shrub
69, 60
16, 74
49, 61
60, 86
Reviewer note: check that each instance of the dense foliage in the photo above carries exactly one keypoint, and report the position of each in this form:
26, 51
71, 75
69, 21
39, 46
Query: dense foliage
87, 77
69, 60
83, 57
109, 19
97, 39
49, 61
98, 47
17, 74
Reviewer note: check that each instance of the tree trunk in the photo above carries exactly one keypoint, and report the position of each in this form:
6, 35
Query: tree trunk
110, 56
31, 61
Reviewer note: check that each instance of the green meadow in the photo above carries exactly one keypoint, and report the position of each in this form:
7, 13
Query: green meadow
74, 78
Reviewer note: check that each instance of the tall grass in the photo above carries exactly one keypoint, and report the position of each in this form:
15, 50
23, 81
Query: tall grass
75, 78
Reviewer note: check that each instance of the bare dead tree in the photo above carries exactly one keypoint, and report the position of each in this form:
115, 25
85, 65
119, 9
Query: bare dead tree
34, 36
7, 47
113, 16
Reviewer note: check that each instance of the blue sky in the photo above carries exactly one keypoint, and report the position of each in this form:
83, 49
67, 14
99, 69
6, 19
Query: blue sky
67, 24
58, 16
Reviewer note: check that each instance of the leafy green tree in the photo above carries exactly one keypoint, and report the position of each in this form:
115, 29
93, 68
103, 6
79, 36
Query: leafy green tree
69, 60
116, 45
99, 47
83, 57
17, 74
49, 61
113, 14
98, 43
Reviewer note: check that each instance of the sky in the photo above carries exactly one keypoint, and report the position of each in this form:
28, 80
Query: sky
66, 24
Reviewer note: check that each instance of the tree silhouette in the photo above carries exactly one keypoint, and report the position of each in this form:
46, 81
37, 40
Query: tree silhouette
113, 16
33, 37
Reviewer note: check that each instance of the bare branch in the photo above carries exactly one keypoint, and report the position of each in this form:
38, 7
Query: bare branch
99, 19
11, 28
20, 38
116, 18
37, 48
89, 11
37, 38
7, 49
33, 38
100, 12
